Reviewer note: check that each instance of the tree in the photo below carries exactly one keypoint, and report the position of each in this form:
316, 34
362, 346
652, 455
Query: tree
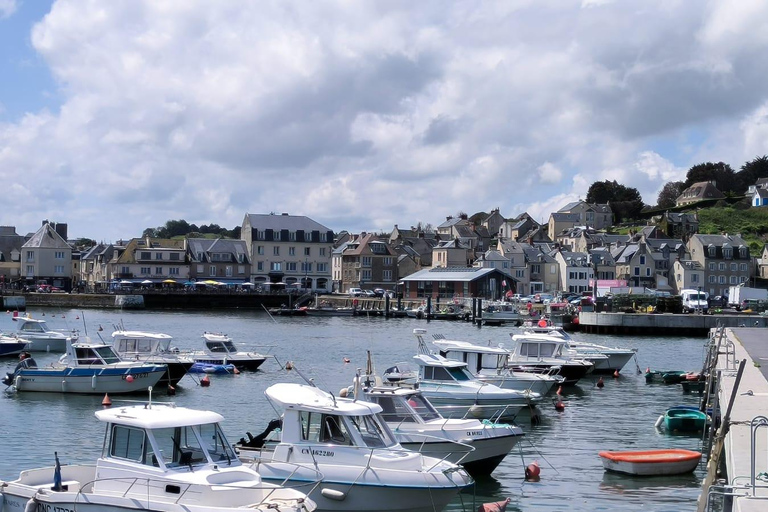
669, 194
752, 171
625, 202
721, 173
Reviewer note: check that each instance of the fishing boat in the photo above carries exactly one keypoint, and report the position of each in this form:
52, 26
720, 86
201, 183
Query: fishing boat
683, 419
491, 365
454, 391
651, 462
154, 348
87, 368
665, 376
476, 445
155, 457
220, 350
11, 345
39, 337
328, 310
500, 312
541, 354
364, 468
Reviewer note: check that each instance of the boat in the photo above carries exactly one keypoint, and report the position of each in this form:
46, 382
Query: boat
88, 368
491, 365
325, 308
665, 376
454, 391
651, 462
39, 337
476, 445
155, 348
11, 345
542, 354
213, 368
684, 419
606, 359
156, 457
220, 350
693, 386
364, 468
500, 312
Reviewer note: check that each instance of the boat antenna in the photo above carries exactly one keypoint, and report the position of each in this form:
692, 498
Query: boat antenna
85, 326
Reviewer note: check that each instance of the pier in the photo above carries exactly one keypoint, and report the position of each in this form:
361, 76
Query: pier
743, 435
664, 323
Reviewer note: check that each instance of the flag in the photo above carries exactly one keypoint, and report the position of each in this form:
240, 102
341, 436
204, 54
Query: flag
57, 474
504, 283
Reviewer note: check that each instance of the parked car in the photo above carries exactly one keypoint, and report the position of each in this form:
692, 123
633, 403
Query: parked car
356, 292
718, 301
369, 293
47, 288
379, 292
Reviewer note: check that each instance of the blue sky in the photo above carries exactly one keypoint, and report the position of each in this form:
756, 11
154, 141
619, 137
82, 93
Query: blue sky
117, 116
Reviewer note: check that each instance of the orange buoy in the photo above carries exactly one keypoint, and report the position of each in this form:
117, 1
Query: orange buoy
616, 374
289, 365
346, 359
171, 390
236, 371
129, 379
542, 323
496, 506
106, 402
532, 471
559, 406
205, 381
600, 382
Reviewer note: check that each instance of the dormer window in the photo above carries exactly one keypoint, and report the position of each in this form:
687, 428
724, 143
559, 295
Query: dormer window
712, 251
727, 252
742, 252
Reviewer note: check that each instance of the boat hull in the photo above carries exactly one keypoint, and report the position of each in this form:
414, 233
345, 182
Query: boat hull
88, 381
11, 348
35, 344
471, 407
651, 462
486, 456
614, 363
685, 420
245, 363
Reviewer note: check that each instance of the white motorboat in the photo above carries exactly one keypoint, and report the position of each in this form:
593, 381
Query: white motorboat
155, 348
454, 391
220, 350
363, 466
491, 365
615, 358
39, 337
87, 368
155, 457
500, 312
476, 445
540, 353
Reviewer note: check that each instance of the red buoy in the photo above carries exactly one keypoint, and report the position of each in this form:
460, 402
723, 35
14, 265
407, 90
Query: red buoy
559, 406
600, 382
648, 370
616, 374
129, 379
106, 402
236, 371
205, 381
532, 471
496, 506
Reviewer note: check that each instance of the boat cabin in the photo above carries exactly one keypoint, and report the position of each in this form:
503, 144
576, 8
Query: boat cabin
86, 354
136, 343
401, 405
532, 346
436, 368
476, 357
219, 344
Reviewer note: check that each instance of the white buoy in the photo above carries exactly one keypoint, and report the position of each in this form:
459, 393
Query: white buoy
659, 422
333, 494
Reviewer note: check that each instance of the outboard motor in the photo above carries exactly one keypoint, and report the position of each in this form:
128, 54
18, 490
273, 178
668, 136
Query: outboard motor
258, 441
8, 379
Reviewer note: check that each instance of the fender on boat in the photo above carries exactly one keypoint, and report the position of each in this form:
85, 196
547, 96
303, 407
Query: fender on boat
31, 505
659, 421
333, 494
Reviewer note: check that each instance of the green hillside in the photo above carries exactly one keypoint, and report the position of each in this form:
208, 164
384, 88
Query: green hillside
751, 223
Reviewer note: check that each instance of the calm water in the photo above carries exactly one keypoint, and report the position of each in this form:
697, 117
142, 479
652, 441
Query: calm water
620, 416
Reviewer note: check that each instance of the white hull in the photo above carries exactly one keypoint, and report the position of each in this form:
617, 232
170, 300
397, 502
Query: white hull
538, 384
488, 451
471, 407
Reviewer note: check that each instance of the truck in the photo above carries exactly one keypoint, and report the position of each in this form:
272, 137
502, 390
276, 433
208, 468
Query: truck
737, 295
695, 300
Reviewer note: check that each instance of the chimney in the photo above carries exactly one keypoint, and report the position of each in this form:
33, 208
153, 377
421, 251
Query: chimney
463, 216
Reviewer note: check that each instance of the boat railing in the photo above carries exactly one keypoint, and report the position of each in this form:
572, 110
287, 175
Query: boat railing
423, 449
756, 424
298, 484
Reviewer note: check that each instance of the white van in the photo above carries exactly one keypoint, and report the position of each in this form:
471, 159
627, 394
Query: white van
695, 300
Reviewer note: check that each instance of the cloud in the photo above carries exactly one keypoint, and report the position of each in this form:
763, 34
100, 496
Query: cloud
7, 8
363, 115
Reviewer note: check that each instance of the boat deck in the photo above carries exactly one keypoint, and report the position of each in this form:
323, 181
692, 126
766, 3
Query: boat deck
751, 401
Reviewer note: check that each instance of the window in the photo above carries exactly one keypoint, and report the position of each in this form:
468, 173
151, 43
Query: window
146, 270
58, 269
742, 279
322, 251
307, 236
323, 237
228, 271
712, 251
733, 280
322, 267
505, 264
275, 266
240, 270
307, 251
125, 270
276, 251
146, 256
387, 275
520, 273
642, 260
260, 266
637, 271
743, 267
291, 251
366, 275
174, 271
158, 255
159, 271
212, 270
30, 256
712, 279
742, 252
366, 261
734, 267
694, 278
30, 270
387, 260
260, 235
290, 266
260, 249
535, 269
728, 252
721, 279
712, 265
59, 255
306, 267
292, 236
127, 443
721, 266
647, 272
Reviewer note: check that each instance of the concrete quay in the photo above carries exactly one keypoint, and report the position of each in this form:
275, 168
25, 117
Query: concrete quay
749, 406
664, 323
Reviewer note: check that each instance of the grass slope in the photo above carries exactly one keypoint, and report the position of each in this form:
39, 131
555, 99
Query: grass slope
751, 223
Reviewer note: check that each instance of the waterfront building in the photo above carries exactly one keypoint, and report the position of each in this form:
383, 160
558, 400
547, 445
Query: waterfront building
453, 253
520, 229
455, 282
636, 265
10, 257
576, 271
289, 248
367, 262
543, 271
220, 259
687, 275
493, 222
725, 258
559, 222
96, 271
150, 259
47, 257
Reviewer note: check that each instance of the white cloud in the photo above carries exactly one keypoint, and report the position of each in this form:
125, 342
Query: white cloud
364, 115
7, 8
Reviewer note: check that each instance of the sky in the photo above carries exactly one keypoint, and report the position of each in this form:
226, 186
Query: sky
121, 115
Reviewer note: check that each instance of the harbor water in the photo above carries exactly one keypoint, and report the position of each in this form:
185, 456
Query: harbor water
619, 416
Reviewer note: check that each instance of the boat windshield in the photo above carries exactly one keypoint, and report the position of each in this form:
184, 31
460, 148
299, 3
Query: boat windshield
33, 327
373, 432
107, 354
447, 374
423, 407
193, 444
221, 347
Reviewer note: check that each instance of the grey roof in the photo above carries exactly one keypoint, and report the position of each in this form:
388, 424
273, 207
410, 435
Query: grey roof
48, 238
578, 258
624, 254
492, 255
568, 207
565, 217
289, 222
206, 246
451, 222
719, 240
691, 264
463, 274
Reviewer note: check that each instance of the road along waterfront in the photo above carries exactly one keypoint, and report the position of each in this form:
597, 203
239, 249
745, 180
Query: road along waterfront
620, 416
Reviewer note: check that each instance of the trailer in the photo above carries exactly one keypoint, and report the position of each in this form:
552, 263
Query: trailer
738, 295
